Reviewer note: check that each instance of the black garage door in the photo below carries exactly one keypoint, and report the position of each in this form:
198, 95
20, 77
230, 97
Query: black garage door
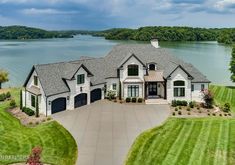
58, 105
80, 100
95, 95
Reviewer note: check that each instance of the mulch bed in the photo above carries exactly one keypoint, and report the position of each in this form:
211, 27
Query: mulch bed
201, 112
28, 120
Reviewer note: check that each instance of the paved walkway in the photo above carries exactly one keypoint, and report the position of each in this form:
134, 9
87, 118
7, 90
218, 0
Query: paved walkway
105, 131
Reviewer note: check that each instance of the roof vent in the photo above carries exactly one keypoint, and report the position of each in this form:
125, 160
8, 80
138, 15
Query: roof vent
155, 43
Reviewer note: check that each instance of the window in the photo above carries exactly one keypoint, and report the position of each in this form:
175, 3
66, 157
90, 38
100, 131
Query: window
114, 86
179, 88
202, 87
133, 91
33, 101
192, 87
35, 80
133, 70
151, 67
80, 79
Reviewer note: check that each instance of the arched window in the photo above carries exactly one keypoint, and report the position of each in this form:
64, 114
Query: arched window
133, 70
151, 66
179, 89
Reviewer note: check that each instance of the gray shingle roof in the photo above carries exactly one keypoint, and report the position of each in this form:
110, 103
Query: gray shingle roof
52, 76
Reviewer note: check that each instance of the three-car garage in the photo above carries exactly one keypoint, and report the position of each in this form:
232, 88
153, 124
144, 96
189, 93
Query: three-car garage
59, 104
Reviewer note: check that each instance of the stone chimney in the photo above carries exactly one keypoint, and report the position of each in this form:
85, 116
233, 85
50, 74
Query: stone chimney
155, 43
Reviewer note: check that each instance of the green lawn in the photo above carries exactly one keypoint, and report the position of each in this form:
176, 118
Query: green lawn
181, 141
59, 147
223, 95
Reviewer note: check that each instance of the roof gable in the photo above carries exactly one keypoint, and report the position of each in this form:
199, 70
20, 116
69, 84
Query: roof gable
128, 58
179, 66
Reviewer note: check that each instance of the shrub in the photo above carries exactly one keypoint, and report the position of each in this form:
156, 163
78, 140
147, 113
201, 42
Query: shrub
208, 98
229, 114
208, 114
220, 114
111, 94
8, 95
30, 123
173, 113
180, 107
12, 103
174, 103
189, 113
140, 100
34, 158
133, 100
128, 99
176, 109
188, 109
184, 103
226, 107
2, 98
225, 114
49, 118
37, 123
192, 104
213, 114
28, 111
179, 113
200, 111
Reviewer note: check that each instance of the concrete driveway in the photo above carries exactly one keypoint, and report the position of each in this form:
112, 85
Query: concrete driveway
105, 131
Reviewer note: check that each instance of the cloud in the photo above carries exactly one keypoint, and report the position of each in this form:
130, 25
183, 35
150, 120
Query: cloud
35, 11
223, 5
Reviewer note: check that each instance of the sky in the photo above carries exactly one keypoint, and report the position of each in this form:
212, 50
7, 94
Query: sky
105, 14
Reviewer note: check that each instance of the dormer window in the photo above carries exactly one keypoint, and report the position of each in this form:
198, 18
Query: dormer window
151, 66
133, 70
35, 80
80, 79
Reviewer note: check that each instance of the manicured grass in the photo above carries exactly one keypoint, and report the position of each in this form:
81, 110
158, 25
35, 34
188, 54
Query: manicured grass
59, 147
224, 94
186, 141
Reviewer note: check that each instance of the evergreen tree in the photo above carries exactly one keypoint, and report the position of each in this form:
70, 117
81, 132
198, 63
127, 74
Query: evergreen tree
3, 77
232, 65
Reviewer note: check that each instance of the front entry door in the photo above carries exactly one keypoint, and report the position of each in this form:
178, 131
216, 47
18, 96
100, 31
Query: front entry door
152, 89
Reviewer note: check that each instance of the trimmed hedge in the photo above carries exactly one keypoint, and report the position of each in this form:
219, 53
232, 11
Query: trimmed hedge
140, 100
128, 99
176, 103
28, 111
133, 100
5, 96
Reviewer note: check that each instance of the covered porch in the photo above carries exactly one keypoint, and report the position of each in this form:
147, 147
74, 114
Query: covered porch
155, 85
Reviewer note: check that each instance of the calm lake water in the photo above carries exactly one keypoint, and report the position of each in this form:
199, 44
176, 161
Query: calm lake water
17, 57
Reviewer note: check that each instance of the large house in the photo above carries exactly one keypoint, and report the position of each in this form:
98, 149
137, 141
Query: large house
131, 70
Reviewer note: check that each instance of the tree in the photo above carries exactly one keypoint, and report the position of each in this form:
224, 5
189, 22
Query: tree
232, 65
34, 158
208, 98
3, 77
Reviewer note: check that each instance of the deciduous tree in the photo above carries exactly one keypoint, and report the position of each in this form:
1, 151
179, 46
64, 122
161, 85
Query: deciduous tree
3, 77
232, 65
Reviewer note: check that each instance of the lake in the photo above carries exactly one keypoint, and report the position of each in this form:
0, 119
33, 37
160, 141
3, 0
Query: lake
17, 57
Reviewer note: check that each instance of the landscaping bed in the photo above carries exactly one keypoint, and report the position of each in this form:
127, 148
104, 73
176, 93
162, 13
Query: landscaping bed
28, 120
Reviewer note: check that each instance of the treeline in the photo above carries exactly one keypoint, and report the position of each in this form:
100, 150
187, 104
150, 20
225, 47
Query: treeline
23, 32
170, 34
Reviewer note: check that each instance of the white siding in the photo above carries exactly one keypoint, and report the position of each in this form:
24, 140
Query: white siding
197, 94
110, 82
124, 75
75, 88
178, 74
